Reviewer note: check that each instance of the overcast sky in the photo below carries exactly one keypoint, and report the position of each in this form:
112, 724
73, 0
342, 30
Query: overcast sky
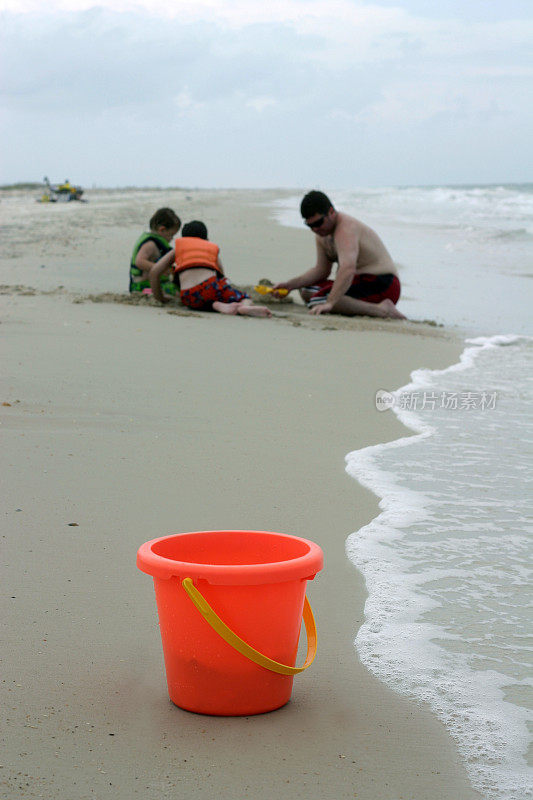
296, 93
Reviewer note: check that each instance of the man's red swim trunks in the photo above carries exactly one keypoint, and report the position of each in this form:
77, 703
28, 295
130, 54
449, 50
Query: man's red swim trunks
371, 288
202, 296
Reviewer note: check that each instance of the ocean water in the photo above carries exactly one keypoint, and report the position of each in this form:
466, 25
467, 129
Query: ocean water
447, 562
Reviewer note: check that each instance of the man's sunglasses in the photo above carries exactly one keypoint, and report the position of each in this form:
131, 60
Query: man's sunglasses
317, 223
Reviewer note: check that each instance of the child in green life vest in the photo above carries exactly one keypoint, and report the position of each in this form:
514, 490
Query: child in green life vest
149, 248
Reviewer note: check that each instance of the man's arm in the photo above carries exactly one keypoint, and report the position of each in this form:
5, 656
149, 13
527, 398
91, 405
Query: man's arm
157, 271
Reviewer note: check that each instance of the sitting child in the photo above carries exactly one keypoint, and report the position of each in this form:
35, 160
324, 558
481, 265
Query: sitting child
150, 247
201, 276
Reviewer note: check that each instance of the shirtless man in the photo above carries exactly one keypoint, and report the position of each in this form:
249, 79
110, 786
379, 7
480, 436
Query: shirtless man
366, 282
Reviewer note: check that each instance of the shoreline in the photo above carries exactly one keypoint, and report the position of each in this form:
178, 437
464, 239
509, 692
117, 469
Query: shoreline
137, 422
491, 736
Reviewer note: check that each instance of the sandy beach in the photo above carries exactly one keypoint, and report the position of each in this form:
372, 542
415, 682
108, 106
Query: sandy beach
123, 421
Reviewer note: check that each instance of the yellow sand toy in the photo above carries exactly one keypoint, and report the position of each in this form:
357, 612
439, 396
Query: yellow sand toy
262, 289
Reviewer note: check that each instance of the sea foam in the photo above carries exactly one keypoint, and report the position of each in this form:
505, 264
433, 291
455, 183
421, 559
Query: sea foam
446, 561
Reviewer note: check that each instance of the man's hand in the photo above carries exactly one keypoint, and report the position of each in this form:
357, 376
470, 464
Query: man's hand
322, 308
283, 285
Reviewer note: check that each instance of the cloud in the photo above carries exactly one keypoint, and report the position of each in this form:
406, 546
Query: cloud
295, 78
408, 104
260, 103
97, 58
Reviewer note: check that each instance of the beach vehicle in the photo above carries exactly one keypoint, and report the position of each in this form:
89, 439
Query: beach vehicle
61, 192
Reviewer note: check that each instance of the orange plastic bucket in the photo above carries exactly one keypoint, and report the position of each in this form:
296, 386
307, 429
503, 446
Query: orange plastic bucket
230, 607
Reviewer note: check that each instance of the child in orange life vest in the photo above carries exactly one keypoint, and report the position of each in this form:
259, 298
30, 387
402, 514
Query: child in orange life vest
201, 276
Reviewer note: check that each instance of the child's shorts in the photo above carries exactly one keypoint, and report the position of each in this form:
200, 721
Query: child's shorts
202, 296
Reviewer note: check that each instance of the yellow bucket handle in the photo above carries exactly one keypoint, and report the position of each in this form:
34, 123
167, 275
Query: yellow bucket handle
245, 649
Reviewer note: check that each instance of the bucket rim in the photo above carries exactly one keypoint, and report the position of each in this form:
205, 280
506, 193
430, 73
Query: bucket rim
302, 567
